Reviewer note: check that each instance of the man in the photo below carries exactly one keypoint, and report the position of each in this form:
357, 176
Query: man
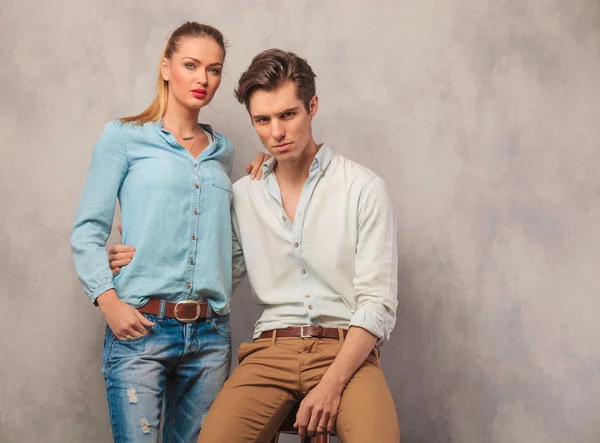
324, 229
317, 238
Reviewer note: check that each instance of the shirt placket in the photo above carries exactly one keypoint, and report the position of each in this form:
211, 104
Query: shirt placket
309, 297
196, 184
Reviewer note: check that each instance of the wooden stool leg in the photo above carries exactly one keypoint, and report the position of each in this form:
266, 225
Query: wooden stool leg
322, 438
276, 438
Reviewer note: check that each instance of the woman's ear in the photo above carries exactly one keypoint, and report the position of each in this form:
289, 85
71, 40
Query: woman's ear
164, 69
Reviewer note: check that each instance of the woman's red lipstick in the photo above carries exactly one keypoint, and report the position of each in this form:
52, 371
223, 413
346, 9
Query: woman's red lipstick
199, 93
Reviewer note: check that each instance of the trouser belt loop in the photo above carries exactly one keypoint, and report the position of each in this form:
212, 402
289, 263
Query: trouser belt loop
162, 310
341, 336
274, 337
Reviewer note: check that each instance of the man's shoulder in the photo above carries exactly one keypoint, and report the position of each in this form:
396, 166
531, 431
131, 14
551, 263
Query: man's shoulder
344, 167
243, 189
241, 185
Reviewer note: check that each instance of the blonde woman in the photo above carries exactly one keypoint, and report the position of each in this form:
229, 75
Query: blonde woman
168, 332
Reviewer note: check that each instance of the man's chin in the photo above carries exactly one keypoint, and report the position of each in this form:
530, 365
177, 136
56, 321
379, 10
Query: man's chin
285, 157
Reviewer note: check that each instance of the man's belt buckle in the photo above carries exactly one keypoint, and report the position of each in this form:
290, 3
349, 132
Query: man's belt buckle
188, 302
302, 334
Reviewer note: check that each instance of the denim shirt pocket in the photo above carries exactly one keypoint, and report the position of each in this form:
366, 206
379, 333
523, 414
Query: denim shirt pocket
219, 179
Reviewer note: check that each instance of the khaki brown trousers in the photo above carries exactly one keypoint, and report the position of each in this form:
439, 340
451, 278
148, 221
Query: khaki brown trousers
275, 373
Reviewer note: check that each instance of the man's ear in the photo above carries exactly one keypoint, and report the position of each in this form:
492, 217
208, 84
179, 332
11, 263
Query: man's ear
313, 106
164, 69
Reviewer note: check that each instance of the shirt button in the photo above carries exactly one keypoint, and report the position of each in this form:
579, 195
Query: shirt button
196, 186
322, 171
193, 237
303, 271
284, 218
296, 245
195, 165
195, 212
191, 262
307, 296
310, 306
189, 286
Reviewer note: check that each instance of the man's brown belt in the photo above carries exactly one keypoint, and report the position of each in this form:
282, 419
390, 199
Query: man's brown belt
305, 332
185, 311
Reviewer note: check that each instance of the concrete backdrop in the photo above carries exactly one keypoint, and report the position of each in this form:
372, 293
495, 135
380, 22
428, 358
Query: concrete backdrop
481, 116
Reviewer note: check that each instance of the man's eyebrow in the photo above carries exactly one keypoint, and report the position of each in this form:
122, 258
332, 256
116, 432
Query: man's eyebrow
285, 111
279, 114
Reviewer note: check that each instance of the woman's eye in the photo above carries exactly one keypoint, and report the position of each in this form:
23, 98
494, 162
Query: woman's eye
215, 71
189, 65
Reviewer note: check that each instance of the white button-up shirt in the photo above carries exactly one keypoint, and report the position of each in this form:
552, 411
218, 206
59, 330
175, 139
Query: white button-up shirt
336, 265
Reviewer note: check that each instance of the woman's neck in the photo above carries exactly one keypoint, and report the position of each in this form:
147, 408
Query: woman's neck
181, 119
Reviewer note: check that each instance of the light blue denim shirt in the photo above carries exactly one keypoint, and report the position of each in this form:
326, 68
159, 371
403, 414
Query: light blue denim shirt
175, 212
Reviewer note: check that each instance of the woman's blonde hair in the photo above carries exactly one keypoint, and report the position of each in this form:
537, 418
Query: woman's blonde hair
157, 108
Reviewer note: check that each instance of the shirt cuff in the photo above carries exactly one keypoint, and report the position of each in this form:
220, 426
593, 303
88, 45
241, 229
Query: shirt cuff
367, 317
101, 290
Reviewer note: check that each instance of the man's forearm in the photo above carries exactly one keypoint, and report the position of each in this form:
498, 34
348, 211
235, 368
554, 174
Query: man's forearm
357, 346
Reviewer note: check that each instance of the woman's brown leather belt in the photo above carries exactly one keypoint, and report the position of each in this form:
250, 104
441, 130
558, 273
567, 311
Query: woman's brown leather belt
185, 311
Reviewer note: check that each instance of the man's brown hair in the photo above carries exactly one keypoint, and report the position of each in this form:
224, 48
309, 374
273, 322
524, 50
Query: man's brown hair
273, 68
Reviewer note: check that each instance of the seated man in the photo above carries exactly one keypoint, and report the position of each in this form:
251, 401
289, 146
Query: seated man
317, 238
324, 229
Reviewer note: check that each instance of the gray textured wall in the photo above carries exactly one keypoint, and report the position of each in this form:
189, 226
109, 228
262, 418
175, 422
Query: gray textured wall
480, 115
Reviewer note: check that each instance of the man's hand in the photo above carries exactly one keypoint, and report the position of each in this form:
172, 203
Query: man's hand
319, 409
124, 321
255, 168
120, 255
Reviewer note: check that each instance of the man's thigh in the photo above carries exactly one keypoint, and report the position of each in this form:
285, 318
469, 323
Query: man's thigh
367, 411
255, 400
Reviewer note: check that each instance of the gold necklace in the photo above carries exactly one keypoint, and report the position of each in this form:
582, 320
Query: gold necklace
187, 139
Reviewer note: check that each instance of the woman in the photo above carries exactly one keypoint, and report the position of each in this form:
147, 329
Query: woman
165, 336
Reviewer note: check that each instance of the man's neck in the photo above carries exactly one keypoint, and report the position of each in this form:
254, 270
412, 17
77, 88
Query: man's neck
181, 119
296, 172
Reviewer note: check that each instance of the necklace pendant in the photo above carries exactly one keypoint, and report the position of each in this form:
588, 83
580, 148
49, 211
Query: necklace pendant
187, 139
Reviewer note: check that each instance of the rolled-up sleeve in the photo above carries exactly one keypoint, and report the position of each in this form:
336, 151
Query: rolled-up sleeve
376, 263
93, 221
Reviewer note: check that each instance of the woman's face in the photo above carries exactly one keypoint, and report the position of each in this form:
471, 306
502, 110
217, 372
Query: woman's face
194, 72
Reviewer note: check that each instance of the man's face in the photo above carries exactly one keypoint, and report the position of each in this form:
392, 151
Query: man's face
282, 122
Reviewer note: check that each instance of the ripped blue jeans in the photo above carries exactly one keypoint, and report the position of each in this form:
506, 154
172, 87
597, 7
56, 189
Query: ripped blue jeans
185, 364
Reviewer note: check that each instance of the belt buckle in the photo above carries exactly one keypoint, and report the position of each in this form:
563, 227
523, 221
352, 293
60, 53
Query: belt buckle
188, 302
302, 334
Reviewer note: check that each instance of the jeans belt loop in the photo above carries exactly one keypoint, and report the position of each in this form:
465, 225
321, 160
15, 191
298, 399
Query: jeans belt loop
162, 310
208, 311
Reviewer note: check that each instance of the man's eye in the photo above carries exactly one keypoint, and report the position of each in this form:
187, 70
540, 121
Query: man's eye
288, 114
